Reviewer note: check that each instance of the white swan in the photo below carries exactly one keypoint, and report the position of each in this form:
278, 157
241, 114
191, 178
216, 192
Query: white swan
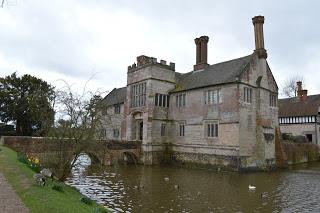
252, 187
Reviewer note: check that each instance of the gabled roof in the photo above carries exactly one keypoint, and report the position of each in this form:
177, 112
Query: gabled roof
116, 96
221, 73
289, 107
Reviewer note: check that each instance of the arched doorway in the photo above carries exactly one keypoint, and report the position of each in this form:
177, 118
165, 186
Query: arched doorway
137, 126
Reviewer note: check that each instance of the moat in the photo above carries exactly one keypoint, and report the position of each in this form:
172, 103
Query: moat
173, 189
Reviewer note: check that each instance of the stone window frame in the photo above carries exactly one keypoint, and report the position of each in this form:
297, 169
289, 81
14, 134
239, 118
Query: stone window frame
273, 99
247, 95
138, 94
181, 128
116, 133
181, 100
161, 100
211, 129
163, 130
117, 109
213, 96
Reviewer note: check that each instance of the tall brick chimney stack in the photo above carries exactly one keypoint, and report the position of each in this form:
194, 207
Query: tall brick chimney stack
258, 22
302, 93
201, 53
299, 89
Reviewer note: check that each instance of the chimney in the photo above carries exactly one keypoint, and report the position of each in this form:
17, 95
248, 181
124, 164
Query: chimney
258, 36
201, 53
302, 93
299, 89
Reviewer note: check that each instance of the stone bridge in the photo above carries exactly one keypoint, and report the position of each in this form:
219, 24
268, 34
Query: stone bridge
108, 152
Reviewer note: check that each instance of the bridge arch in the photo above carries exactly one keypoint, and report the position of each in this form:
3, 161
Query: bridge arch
94, 158
129, 157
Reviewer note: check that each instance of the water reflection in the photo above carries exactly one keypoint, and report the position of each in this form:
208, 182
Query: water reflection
172, 189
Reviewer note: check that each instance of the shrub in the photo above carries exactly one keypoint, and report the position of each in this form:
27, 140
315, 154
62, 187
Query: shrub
86, 200
22, 157
57, 187
299, 139
286, 136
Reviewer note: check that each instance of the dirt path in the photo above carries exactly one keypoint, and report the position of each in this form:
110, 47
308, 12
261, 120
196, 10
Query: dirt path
9, 200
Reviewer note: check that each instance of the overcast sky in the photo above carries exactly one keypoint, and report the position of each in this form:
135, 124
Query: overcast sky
74, 39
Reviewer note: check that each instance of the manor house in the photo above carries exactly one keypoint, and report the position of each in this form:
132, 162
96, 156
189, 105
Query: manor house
221, 114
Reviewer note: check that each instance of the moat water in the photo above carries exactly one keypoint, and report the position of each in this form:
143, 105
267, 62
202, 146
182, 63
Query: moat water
172, 189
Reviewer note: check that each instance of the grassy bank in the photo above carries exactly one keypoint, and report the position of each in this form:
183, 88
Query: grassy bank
37, 198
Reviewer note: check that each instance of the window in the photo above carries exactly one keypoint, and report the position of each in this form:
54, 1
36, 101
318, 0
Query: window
213, 96
273, 100
181, 100
161, 100
181, 129
156, 99
163, 130
138, 95
117, 109
116, 133
212, 130
247, 95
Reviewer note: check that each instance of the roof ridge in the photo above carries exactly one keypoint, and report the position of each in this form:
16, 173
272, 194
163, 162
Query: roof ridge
232, 60
298, 97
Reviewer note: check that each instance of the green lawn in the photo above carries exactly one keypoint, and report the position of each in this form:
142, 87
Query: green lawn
37, 198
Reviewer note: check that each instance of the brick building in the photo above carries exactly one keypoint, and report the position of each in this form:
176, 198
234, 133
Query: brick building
301, 115
221, 114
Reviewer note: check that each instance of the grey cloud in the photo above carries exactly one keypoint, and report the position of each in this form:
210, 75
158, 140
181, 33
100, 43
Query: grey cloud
53, 40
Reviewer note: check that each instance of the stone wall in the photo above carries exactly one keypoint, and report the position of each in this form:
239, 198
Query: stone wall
258, 119
111, 121
196, 114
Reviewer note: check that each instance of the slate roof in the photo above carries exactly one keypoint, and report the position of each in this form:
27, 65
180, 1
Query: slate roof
289, 107
221, 73
116, 96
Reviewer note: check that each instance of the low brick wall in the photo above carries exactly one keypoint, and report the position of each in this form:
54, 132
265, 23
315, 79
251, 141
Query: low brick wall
301, 152
25, 144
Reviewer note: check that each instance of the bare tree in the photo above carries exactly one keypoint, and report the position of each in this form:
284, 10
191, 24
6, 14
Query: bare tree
289, 88
74, 131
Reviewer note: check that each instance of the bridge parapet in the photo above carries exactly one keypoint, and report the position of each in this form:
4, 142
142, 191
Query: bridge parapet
109, 152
